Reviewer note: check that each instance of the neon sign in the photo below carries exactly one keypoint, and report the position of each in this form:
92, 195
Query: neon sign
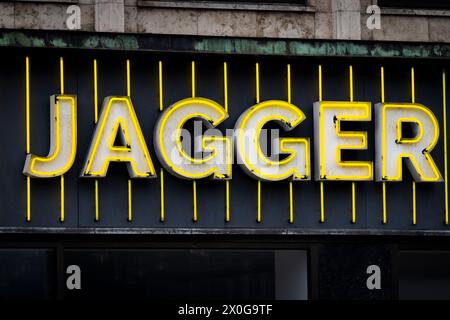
118, 120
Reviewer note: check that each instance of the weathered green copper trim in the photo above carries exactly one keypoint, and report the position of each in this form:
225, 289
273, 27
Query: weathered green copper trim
221, 45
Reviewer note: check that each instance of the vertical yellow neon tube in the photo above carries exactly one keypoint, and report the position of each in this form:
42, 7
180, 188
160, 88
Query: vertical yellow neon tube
353, 183
414, 217
227, 201
160, 81
258, 217
130, 203
289, 83
162, 213
384, 203
28, 217
97, 215
353, 202
61, 74
225, 86
225, 103
61, 78
130, 213
291, 191
62, 199
95, 92
194, 183
444, 113
291, 203
193, 78
322, 204
413, 90
413, 100
351, 82
194, 196
257, 83
384, 218
27, 103
128, 79
27, 124
161, 171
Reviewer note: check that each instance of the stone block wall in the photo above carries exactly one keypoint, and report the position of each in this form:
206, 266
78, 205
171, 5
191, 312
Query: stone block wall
318, 19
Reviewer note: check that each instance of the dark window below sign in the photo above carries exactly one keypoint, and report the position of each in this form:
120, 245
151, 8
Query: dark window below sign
424, 275
415, 4
190, 274
27, 274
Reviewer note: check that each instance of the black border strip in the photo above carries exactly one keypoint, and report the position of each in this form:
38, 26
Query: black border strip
222, 231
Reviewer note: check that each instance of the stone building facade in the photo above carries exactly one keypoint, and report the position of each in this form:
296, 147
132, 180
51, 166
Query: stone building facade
309, 19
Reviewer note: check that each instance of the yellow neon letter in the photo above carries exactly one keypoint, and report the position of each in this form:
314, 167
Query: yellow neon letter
330, 140
169, 147
392, 146
248, 149
118, 118
63, 140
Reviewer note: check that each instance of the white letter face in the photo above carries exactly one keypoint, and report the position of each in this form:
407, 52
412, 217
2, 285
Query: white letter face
63, 140
392, 147
169, 147
118, 118
330, 140
251, 158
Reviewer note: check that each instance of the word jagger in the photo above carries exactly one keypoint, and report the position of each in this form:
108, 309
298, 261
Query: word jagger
118, 122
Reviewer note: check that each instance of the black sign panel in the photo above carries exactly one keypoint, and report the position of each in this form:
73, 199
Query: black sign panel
113, 194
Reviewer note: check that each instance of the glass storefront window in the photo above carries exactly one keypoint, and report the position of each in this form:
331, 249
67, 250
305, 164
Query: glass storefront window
187, 274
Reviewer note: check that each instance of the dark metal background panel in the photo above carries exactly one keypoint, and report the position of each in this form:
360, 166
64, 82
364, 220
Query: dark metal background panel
80, 209
399, 195
12, 183
305, 91
429, 209
241, 94
367, 87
